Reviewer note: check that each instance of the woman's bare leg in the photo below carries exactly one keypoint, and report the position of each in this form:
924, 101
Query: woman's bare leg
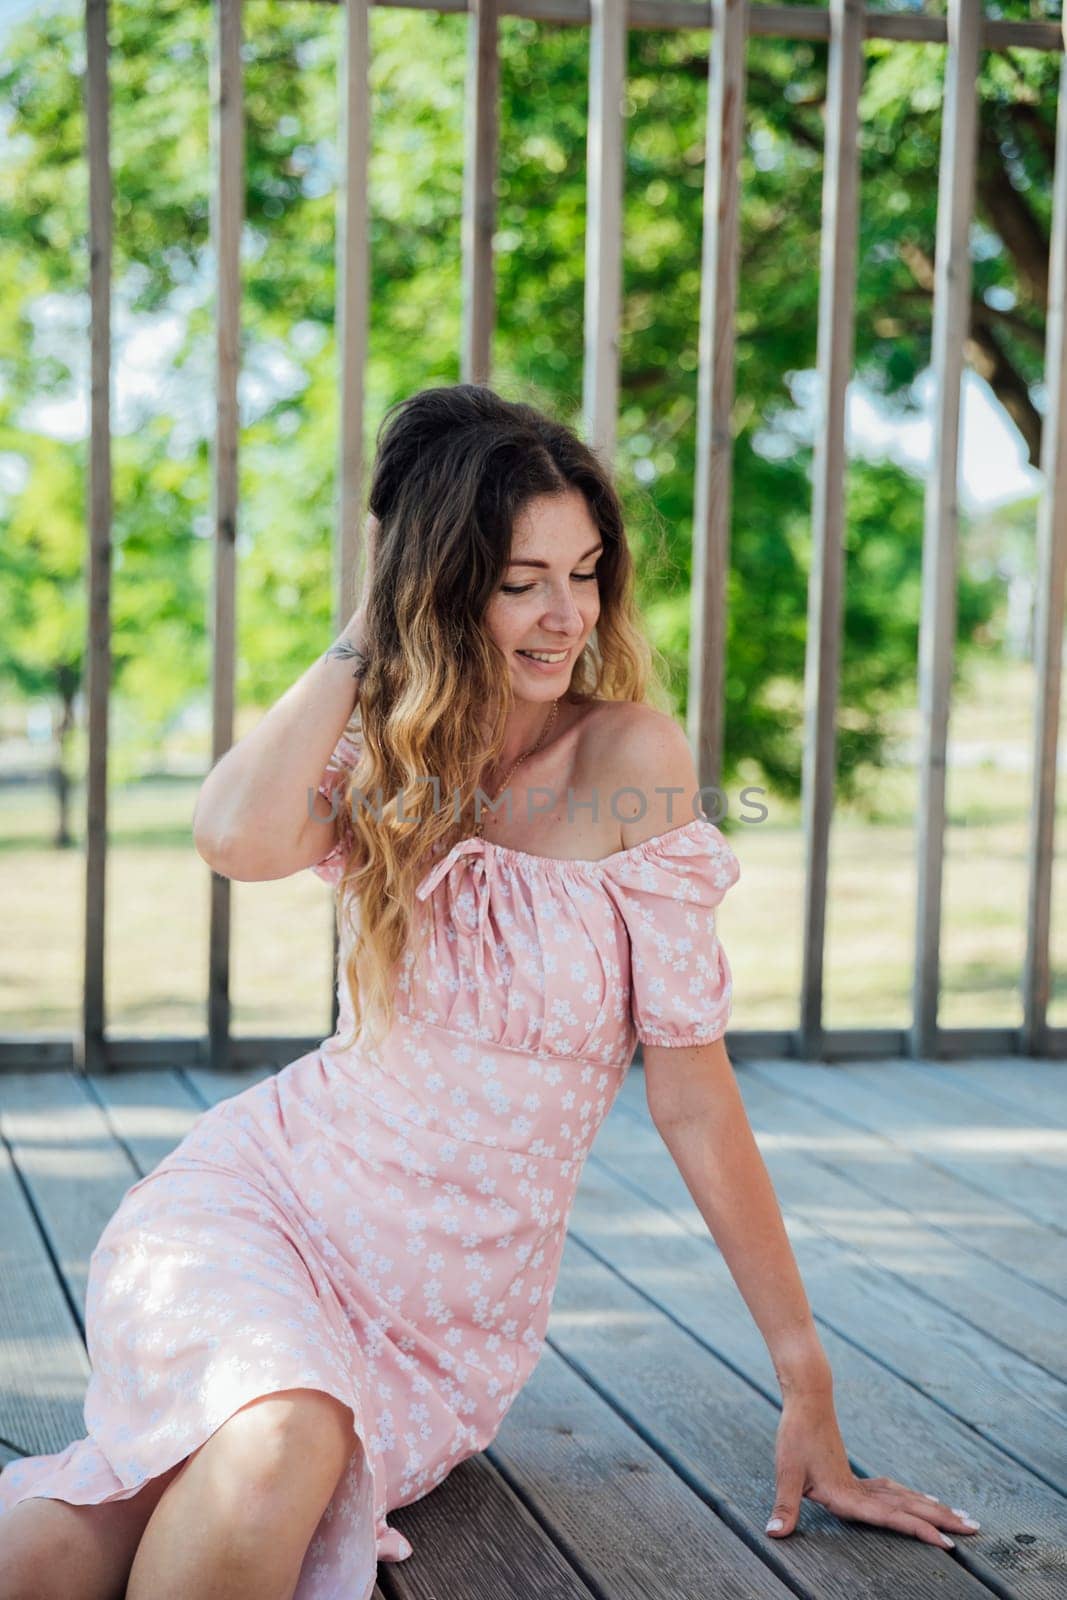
51, 1548
236, 1522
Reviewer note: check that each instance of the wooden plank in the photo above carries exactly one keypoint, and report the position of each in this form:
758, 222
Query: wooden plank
932, 1090
837, 297
983, 1147
715, 390
767, 21
620, 1513
1048, 621
89, 1045
43, 1364
28, 1052
227, 216
640, 1222
474, 1538
156, 1053
937, 633
210, 1087
71, 1165
150, 1112
672, 1348
863, 1150
1037, 1088
603, 225
959, 1043
482, 133
892, 1207
160, 1051
263, 1054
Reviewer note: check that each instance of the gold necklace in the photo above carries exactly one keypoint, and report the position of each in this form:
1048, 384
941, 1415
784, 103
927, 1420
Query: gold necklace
549, 720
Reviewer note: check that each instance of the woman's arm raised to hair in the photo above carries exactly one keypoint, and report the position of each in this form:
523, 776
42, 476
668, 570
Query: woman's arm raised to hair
252, 819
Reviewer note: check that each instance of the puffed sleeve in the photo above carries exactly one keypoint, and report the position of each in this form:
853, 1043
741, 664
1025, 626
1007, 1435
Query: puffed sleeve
666, 890
345, 754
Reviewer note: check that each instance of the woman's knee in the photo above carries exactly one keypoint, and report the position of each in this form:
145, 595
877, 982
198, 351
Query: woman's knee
295, 1438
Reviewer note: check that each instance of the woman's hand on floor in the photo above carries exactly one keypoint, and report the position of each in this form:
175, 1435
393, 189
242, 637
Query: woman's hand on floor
811, 1461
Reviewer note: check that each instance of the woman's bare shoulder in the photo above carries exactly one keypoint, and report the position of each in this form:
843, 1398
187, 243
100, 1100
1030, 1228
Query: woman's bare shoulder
640, 756
617, 736
606, 722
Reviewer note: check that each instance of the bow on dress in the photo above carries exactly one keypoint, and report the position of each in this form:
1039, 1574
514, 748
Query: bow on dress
477, 888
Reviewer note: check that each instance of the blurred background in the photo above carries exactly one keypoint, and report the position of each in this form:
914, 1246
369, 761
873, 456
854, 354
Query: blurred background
163, 332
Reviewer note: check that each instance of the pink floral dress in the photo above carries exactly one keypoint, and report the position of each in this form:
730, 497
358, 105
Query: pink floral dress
387, 1224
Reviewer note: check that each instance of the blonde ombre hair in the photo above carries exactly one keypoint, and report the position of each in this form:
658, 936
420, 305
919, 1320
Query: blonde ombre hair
454, 467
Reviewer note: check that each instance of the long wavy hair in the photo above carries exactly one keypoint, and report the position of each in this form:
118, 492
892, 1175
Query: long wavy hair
454, 467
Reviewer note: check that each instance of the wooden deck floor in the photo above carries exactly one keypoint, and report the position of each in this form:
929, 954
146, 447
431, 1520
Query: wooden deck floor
927, 1205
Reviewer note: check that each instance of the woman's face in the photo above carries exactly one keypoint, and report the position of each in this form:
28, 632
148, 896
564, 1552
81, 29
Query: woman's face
548, 600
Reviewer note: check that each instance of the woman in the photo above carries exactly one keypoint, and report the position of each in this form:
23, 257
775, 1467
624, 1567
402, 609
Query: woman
333, 1289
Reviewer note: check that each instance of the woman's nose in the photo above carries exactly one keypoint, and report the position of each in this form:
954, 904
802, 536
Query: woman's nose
563, 612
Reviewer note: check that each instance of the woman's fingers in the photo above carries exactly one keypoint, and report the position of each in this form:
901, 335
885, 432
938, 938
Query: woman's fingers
883, 1514
926, 1531
948, 1516
928, 1505
919, 1508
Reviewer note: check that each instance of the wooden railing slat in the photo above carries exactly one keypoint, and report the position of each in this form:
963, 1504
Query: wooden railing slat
706, 711
352, 318
603, 227
98, 645
1048, 621
479, 199
837, 272
951, 322
353, 300
227, 214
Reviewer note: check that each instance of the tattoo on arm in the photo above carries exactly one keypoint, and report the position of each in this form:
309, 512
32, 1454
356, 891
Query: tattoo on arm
344, 651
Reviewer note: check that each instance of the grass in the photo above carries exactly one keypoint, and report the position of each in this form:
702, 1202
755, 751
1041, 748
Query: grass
156, 934
158, 888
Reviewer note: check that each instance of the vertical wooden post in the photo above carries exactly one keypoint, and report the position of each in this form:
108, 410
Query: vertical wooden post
952, 307
837, 273
89, 1049
479, 199
353, 298
352, 317
1048, 622
603, 226
227, 214
715, 389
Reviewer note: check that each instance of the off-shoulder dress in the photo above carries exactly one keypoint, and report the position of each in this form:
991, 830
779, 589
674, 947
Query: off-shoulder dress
386, 1223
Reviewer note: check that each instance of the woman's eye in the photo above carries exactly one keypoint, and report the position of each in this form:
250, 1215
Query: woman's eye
579, 577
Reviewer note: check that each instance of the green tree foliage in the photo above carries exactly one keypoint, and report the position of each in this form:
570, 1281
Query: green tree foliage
160, 56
